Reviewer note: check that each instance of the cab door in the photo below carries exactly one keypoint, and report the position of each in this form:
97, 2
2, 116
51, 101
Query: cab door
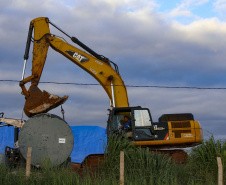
143, 128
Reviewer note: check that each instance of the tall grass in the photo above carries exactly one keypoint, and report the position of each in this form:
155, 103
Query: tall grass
141, 167
203, 160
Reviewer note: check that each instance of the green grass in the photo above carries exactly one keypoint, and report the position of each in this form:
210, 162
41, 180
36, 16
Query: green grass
141, 167
203, 160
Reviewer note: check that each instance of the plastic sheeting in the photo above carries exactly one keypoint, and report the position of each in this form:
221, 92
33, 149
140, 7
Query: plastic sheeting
87, 140
6, 138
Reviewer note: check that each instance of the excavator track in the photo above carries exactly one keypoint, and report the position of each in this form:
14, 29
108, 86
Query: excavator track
178, 155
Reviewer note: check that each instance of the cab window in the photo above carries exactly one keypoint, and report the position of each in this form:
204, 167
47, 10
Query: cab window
142, 118
116, 121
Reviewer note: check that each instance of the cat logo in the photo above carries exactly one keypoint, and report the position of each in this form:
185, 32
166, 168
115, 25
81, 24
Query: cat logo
77, 56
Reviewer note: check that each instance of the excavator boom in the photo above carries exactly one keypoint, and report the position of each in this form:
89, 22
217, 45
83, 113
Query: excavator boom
99, 67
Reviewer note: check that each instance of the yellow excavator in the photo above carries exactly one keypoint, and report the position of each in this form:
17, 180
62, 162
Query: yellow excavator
171, 130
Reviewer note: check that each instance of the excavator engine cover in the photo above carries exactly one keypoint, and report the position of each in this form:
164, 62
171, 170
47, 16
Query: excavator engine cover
50, 137
41, 102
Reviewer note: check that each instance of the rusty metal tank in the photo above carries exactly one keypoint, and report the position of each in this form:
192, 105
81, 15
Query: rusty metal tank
50, 137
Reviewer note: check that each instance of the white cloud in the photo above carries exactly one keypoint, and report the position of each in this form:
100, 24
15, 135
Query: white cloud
220, 5
195, 2
185, 8
220, 8
178, 12
208, 32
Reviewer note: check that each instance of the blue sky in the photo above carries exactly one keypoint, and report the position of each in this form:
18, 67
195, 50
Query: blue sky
163, 43
187, 11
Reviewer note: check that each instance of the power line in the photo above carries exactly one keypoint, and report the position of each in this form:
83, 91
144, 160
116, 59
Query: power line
135, 86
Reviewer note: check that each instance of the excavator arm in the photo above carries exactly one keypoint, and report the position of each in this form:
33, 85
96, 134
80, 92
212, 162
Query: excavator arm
99, 67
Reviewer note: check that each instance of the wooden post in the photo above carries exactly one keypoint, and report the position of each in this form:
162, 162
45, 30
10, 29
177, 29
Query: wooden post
28, 162
220, 171
121, 168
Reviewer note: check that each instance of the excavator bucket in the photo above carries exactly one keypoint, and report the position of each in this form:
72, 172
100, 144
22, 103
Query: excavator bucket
41, 102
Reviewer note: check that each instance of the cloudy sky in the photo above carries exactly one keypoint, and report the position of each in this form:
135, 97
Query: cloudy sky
177, 43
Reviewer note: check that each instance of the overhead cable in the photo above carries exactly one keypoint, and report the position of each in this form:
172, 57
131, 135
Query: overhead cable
137, 86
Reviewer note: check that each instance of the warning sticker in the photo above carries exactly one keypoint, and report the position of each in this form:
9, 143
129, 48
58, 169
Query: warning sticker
62, 140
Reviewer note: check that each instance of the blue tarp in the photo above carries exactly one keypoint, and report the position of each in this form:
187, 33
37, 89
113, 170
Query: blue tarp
87, 140
6, 138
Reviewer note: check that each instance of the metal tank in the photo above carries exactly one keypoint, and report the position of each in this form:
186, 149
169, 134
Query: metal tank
50, 137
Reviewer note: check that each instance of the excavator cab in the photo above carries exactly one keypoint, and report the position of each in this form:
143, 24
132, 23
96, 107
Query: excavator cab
141, 123
172, 130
